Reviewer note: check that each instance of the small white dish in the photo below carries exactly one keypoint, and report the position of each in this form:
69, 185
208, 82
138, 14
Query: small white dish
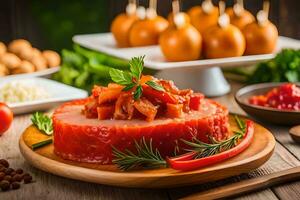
58, 93
43, 73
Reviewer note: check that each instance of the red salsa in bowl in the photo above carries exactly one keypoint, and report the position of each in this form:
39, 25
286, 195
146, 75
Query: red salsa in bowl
284, 97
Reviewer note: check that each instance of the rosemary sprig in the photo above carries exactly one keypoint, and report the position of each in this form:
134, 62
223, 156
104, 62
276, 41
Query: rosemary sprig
205, 149
241, 123
132, 79
145, 157
43, 123
41, 144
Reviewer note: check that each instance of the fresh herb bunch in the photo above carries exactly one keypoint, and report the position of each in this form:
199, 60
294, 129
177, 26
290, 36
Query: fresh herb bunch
205, 149
43, 123
145, 157
83, 68
285, 67
132, 78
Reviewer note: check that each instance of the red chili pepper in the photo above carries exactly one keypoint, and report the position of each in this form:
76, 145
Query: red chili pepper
185, 162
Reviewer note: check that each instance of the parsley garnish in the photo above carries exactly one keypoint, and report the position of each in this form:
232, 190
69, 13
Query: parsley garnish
155, 86
43, 123
132, 78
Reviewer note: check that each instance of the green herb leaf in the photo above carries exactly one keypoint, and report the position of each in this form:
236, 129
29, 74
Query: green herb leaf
41, 144
138, 92
285, 67
43, 123
241, 123
129, 87
155, 86
145, 157
136, 66
292, 76
120, 77
132, 79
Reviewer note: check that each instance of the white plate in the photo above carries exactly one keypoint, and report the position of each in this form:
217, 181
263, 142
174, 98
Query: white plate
104, 42
43, 73
58, 93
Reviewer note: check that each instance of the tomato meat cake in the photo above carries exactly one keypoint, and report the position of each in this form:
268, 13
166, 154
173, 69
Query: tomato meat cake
117, 116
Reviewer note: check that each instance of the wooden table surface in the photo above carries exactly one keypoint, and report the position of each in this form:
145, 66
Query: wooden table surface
48, 186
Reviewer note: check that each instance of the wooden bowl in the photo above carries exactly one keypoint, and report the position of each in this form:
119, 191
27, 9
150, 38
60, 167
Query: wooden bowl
271, 115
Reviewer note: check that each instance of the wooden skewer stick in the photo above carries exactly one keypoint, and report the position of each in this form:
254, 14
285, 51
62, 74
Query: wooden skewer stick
207, 6
241, 3
222, 7
132, 2
153, 4
263, 15
131, 7
223, 20
238, 8
175, 7
151, 11
266, 8
178, 17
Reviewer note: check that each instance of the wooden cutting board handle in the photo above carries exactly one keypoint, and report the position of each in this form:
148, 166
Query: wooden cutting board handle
248, 185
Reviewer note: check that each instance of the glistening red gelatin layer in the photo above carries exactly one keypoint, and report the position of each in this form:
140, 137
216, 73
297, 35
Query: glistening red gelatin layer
90, 140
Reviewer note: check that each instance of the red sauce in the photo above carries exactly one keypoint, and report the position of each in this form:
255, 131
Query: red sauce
285, 97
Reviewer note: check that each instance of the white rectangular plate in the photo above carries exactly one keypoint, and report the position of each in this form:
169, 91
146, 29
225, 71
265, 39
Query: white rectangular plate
58, 93
43, 73
104, 42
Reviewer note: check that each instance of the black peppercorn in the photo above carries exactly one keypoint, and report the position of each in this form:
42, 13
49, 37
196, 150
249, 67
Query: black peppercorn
19, 171
4, 185
7, 178
2, 168
15, 185
10, 178
2, 174
4, 163
27, 179
25, 174
17, 178
13, 173
8, 171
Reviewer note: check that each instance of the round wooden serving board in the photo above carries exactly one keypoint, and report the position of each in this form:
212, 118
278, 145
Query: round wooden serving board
44, 158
